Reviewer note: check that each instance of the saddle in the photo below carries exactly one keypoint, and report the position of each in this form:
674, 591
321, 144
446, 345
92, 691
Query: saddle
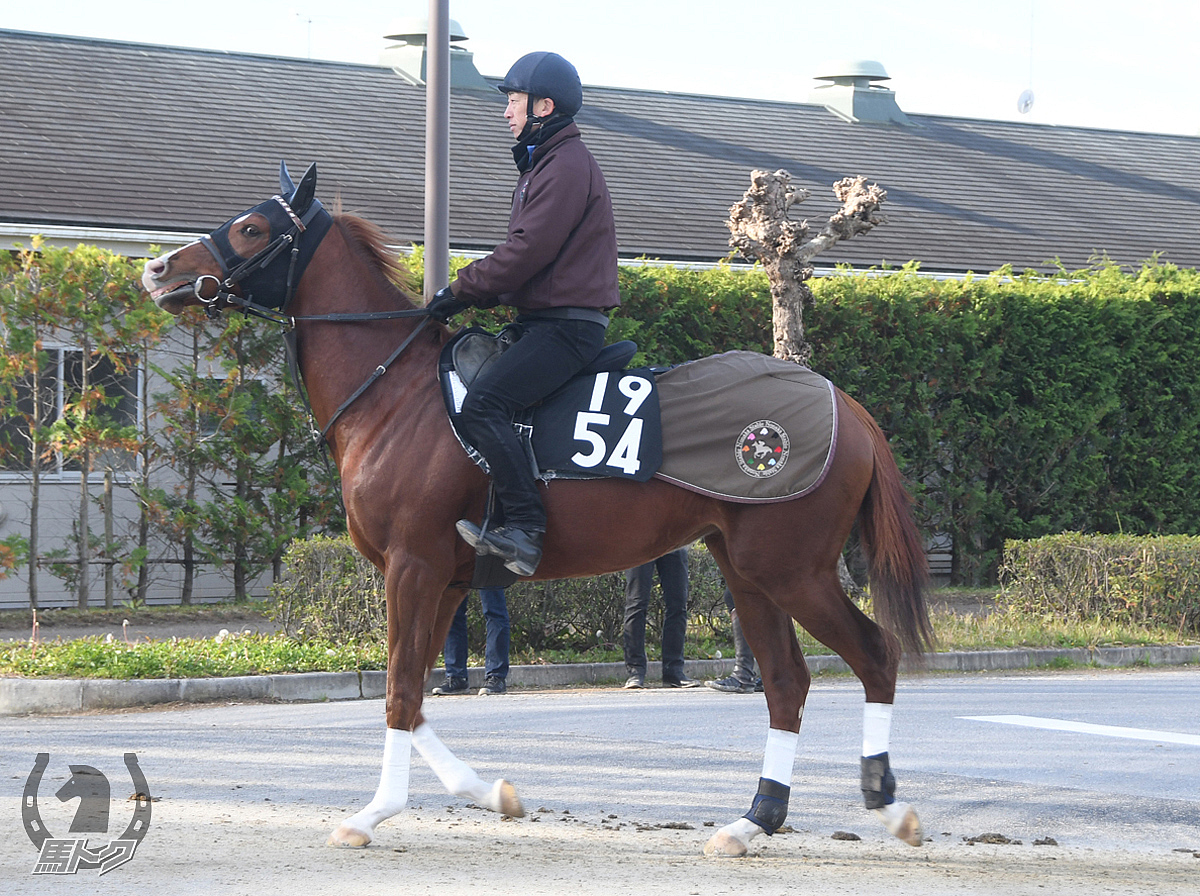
740, 426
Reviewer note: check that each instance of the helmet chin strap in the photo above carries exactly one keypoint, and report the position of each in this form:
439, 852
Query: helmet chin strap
532, 121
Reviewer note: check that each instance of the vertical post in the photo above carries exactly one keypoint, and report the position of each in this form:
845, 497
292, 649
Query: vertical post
108, 538
437, 148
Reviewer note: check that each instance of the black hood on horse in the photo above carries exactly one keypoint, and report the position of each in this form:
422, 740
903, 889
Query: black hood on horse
295, 211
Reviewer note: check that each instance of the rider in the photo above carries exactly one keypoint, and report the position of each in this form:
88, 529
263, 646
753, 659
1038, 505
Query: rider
558, 268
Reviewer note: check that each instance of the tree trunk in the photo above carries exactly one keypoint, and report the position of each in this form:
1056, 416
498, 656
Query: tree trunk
108, 539
85, 461
83, 586
189, 540
760, 229
35, 484
146, 452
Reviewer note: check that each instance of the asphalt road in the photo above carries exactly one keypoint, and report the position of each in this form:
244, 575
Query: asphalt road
247, 793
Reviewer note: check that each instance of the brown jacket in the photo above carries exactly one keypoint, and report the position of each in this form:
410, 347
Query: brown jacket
561, 248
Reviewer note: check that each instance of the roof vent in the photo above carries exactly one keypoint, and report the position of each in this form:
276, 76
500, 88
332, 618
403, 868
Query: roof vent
408, 57
851, 96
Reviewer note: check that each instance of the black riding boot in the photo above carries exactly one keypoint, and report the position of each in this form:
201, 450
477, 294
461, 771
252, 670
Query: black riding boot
520, 549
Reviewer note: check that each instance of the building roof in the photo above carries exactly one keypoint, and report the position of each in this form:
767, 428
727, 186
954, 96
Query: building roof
135, 137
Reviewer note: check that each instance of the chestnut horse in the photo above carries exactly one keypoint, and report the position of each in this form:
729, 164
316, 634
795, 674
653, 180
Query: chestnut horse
368, 358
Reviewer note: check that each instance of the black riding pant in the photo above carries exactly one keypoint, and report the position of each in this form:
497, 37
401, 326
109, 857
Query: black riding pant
549, 352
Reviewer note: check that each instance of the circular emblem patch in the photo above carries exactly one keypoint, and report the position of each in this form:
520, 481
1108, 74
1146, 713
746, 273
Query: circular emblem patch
762, 449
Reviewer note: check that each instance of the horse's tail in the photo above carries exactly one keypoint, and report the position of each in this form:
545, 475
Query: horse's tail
898, 568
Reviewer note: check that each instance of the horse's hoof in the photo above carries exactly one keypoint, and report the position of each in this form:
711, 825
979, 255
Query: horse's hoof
724, 845
902, 822
348, 838
504, 800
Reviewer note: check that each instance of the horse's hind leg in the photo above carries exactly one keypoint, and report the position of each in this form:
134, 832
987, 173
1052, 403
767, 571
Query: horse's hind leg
786, 681
874, 656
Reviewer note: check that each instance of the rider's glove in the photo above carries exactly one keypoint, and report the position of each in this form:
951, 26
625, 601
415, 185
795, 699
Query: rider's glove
444, 306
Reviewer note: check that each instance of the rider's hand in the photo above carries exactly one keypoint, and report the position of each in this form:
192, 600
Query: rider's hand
444, 306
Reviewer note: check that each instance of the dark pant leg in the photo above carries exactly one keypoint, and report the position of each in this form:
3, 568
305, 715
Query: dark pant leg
743, 668
495, 613
638, 582
547, 355
673, 576
455, 650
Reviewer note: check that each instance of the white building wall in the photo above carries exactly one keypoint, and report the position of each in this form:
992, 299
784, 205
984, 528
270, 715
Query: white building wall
58, 511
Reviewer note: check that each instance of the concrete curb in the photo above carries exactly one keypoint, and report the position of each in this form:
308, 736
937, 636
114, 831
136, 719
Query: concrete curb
20, 696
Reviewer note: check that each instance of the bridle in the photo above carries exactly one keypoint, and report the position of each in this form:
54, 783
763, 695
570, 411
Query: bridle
232, 275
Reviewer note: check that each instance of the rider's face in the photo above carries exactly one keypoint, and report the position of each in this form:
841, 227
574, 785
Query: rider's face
516, 113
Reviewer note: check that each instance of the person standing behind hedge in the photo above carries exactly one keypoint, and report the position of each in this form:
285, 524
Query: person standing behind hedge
495, 668
742, 680
673, 576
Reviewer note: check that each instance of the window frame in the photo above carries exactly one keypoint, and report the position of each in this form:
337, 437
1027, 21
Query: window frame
57, 469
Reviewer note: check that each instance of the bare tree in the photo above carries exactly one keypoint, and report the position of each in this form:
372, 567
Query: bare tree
760, 229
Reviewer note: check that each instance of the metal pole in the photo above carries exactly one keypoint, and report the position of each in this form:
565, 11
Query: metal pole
437, 148
108, 538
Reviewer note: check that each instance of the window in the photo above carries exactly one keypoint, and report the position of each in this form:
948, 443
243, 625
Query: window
60, 380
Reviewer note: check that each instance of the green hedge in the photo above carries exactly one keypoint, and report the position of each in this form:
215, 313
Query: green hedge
329, 591
1021, 406
1113, 577
1017, 405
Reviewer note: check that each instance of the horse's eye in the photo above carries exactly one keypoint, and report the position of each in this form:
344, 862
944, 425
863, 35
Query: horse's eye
249, 230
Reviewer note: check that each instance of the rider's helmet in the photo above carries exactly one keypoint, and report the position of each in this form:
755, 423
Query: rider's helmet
545, 74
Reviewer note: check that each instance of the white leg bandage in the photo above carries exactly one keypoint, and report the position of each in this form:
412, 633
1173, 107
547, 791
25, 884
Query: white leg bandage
877, 728
392, 793
457, 777
780, 755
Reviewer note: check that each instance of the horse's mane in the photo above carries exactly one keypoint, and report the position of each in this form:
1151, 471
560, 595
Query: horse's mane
379, 249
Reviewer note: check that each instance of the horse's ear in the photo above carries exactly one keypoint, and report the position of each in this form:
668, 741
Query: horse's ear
302, 198
286, 187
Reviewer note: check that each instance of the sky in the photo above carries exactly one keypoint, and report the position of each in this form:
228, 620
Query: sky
1101, 64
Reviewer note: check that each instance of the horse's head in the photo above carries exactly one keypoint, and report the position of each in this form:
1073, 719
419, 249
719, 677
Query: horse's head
257, 256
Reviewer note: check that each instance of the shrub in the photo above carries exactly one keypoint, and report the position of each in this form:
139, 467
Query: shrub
1136, 580
329, 591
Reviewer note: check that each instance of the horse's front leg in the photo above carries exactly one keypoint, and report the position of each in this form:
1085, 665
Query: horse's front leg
413, 603
462, 780
416, 630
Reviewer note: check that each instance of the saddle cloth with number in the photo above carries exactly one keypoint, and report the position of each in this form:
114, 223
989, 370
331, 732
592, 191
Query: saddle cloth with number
603, 423
739, 426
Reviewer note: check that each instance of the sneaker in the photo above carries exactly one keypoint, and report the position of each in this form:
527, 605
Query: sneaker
731, 684
451, 686
681, 682
758, 688
493, 686
634, 683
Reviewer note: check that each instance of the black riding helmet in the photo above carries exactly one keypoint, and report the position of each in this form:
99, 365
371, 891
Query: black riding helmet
545, 74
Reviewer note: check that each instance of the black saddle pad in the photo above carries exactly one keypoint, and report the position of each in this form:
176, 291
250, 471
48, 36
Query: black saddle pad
598, 425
